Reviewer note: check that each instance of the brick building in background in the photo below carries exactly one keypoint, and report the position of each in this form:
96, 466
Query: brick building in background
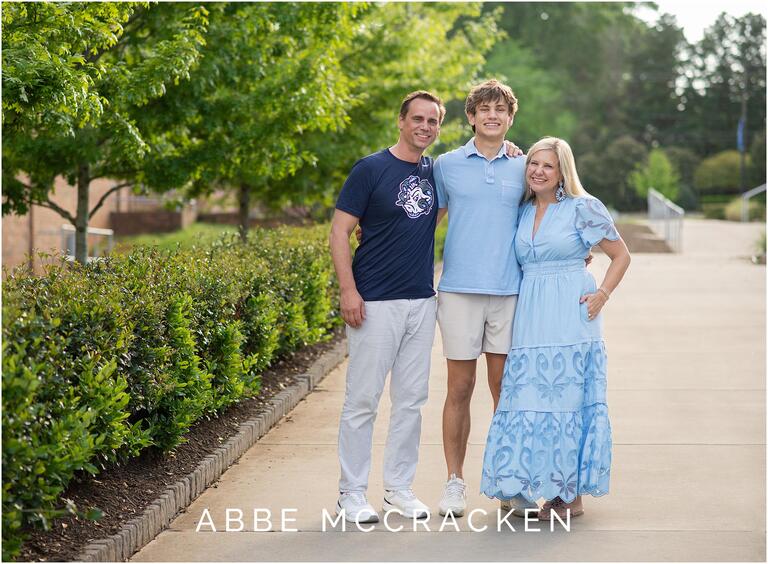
41, 229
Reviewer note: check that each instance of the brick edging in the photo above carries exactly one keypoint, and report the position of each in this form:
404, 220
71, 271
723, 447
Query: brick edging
139, 531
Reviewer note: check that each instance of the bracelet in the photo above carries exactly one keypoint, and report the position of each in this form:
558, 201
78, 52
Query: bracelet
604, 292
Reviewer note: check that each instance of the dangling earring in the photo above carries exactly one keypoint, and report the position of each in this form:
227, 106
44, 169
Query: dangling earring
560, 192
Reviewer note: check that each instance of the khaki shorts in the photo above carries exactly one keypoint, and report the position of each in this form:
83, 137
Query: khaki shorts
472, 324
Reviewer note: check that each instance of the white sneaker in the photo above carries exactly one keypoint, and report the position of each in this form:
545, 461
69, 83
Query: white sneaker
454, 497
406, 503
517, 505
356, 508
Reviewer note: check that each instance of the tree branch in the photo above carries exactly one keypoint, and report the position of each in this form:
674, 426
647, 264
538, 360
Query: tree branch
93, 57
104, 197
58, 209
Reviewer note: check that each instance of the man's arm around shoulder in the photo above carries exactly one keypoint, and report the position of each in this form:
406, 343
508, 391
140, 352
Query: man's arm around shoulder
352, 305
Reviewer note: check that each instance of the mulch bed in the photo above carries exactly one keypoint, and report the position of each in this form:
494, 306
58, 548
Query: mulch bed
640, 239
122, 492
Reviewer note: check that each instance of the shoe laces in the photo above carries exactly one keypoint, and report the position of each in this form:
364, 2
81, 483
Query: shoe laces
455, 488
405, 494
358, 497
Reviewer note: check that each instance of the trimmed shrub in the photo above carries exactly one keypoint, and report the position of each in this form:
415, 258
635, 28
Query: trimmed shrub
440, 233
720, 173
755, 210
713, 210
103, 361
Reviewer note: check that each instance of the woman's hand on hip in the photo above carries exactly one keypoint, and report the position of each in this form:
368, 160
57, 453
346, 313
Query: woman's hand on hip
595, 303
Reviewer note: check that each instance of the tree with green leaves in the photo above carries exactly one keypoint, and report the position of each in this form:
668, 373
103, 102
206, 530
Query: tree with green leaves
719, 174
74, 76
269, 74
604, 173
49, 64
543, 109
685, 161
651, 104
578, 51
657, 173
725, 70
442, 51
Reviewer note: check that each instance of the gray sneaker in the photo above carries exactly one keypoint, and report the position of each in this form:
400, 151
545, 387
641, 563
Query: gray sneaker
355, 508
406, 503
454, 498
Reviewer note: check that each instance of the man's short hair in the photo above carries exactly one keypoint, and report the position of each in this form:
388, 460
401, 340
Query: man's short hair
424, 95
490, 91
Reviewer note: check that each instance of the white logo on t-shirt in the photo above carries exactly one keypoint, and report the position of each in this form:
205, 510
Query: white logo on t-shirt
416, 196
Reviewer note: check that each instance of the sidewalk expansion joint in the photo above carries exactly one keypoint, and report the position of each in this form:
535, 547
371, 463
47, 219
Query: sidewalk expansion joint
158, 515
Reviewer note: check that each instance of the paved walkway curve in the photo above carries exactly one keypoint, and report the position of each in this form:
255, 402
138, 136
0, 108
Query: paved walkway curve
686, 343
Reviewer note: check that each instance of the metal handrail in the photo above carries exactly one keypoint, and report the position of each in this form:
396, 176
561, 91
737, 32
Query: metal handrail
68, 239
666, 218
745, 197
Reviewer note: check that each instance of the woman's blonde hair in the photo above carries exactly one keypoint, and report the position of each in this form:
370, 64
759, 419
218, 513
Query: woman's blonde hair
562, 149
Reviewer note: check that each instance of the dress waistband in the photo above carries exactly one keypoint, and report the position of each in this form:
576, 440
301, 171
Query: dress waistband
554, 266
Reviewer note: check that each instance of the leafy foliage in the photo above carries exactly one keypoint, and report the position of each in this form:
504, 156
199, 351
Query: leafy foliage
105, 63
394, 49
538, 90
161, 95
755, 210
103, 361
50, 62
596, 74
604, 174
725, 66
244, 116
719, 173
196, 234
657, 173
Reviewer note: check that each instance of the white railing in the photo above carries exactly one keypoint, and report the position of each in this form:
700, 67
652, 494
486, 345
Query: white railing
666, 219
98, 249
745, 197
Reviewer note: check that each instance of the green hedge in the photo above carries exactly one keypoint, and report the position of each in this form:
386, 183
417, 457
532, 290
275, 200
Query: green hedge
755, 210
440, 233
101, 362
720, 173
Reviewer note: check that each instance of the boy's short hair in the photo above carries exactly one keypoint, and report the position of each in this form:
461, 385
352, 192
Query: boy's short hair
490, 91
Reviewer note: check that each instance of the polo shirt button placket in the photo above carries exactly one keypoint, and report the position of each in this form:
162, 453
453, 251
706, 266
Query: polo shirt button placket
490, 176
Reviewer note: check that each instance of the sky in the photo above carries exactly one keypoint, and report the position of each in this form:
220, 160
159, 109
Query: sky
694, 17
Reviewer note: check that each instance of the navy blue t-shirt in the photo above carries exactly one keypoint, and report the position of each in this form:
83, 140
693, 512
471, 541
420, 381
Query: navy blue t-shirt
397, 205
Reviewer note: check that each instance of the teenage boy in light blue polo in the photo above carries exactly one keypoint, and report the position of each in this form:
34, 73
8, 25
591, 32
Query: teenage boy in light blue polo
481, 187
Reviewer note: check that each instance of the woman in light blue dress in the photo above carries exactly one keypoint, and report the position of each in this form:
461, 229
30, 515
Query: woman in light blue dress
550, 436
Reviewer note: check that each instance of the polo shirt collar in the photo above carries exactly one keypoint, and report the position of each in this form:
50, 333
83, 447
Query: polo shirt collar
471, 149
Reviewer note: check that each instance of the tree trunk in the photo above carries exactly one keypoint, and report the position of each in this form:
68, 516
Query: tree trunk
244, 211
81, 219
31, 218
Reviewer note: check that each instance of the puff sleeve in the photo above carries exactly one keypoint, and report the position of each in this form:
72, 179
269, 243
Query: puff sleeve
593, 222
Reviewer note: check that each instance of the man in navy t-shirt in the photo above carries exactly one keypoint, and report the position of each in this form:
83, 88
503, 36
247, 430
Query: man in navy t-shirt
389, 305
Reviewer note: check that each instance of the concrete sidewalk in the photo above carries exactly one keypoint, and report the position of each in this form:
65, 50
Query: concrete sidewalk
686, 341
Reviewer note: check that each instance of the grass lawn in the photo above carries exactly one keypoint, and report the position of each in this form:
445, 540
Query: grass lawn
195, 234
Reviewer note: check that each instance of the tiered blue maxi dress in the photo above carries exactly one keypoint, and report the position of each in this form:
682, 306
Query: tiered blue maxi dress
550, 435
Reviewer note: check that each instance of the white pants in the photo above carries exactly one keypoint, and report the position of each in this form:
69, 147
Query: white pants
396, 336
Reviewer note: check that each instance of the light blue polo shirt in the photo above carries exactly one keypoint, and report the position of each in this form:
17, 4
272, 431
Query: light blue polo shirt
482, 198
